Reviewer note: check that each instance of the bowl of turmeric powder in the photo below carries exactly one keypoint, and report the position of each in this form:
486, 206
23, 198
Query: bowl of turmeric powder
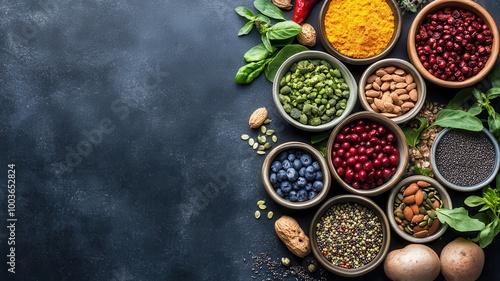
360, 32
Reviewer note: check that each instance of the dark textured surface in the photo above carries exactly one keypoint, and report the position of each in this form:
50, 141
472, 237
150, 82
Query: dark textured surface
123, 121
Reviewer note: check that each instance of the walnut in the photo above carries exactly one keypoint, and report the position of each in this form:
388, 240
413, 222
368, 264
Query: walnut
283, 4
308, 35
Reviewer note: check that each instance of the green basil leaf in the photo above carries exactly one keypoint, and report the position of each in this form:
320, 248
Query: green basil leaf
281, 56
459, 99
495, 78
488, 233
475, 109
267, 43
458, 119
263, 18
257, 53
474, 201
284, 30
477, 94
245, 12
483, 217
494, 124
247, 73
422, 171
493, 93
319, 137
269, 9
412, 135
458, 219
246, 29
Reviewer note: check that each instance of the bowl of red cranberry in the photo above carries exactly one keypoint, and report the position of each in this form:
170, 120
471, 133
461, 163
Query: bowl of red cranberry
452, 43
367, 153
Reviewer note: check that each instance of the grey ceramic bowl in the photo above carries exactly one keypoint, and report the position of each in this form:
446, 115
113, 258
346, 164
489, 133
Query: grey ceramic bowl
409, 69
400, 145
271, 191
346, 74
398, 24
384, 249
438, 175
445, 198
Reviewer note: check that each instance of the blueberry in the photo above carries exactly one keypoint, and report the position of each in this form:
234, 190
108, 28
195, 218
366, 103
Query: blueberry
282, 156
299, 153
281, 175
310, 169
280, 192
309, 186
310, 175
302, 171
292, 174
317, 186
297, 164
286, 164
306, 159
286, 186
312, 194
291, 157
316, 166
301, 182
292, 196
275, 166
273, 178
295, 186
302, 195
319, 176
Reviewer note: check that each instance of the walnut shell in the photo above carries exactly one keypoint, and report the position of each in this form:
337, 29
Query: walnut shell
283, 4
257, 118
308, 35
290, 232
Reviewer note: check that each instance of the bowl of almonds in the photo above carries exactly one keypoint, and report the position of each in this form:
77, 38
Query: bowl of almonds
393, 88
411, 209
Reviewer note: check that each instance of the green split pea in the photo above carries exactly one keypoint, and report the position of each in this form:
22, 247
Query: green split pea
313, 92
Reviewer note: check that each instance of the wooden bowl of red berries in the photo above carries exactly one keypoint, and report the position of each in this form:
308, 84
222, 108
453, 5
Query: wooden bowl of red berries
367, 153
453, 44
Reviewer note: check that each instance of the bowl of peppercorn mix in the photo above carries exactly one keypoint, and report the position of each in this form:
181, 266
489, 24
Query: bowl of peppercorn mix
350, 235
452, 43
360, 32
465, 160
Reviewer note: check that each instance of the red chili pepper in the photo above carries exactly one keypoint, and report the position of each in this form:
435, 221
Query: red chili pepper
302, 9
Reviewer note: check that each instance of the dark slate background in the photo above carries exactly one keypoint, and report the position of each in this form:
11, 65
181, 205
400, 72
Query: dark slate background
124, 124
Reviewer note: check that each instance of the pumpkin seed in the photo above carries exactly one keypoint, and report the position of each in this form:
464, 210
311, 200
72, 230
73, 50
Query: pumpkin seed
257, 214
262, 139
261, 148
260, 152
245, 137
261, 202
267, 145
263, 129
251, 141
255, 145
269, 132
262, 207
267, 121
270, 215
274, 138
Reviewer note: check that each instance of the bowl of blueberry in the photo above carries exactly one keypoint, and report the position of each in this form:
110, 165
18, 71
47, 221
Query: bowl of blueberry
296, 175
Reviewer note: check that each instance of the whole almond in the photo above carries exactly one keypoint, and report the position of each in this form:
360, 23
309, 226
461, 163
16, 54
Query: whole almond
398, 78
434, 227
380, 72
415, 209
419, 197
257, 118
413, 95
386, 77
408, 200
408, 213
423, 184
399, 72
421, 234
371, 78
411, 86
379, 104
404, 97
417, 218
401, 85
411, 189
389, 107
372, 94
390, 69
408, 78
385, 86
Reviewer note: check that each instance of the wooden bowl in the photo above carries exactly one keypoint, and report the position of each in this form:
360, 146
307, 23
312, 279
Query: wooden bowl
466, 5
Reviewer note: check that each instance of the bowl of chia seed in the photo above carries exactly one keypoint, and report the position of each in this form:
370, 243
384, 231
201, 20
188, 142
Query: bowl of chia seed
465, 160
350, 235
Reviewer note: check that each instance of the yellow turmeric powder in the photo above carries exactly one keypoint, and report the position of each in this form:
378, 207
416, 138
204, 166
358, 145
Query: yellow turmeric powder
359, 28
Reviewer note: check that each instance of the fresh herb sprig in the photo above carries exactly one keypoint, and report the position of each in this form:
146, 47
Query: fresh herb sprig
411, 5
454, 116
486, 220
265, 56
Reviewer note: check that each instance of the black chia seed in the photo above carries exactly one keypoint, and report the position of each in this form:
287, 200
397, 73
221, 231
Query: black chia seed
465, 158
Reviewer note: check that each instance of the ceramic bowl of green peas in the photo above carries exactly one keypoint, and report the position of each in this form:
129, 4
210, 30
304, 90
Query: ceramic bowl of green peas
313, 91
